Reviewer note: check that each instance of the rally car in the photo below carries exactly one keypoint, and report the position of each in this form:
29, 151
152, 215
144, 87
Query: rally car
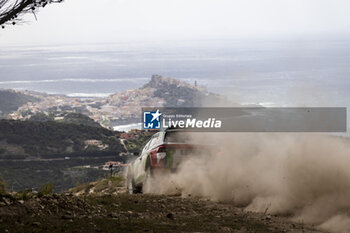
163, 153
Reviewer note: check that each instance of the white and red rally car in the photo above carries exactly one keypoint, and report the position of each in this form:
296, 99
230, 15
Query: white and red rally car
163, 152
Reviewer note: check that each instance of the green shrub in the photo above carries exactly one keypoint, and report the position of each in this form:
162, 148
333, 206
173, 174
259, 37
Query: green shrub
117, 180
46, 189
82, 187
25, 194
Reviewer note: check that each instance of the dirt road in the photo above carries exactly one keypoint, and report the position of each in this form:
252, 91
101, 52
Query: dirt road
134, 213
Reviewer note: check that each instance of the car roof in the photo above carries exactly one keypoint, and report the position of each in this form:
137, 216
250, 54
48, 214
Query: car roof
175, 129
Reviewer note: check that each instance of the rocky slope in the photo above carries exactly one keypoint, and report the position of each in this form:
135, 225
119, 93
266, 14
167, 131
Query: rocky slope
98, 212
158, 92
163, 91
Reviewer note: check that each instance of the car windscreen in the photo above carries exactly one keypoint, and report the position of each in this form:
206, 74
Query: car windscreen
177, 137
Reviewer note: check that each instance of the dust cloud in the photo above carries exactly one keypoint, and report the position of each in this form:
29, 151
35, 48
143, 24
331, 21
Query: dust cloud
305, 177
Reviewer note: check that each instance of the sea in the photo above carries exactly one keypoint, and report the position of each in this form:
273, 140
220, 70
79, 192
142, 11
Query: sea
270, 73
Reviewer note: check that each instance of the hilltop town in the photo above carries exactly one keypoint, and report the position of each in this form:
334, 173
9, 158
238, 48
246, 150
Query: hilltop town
117, 109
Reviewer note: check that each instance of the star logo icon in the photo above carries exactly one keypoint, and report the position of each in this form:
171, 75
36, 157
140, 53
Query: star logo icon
156, 115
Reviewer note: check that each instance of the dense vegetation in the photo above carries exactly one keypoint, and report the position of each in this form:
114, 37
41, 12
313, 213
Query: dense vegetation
68, 117
52, 139
63, 148
64, 174
80, 119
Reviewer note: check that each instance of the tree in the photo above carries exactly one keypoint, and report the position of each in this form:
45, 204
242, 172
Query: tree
11, 11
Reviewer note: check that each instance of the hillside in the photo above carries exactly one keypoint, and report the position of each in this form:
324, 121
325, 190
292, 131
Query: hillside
164, 91
101, 211
33, 153
175, 93
11, 100
50, 139
158, 92
66, 117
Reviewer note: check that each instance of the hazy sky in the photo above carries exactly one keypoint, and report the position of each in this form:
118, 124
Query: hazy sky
99, 21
